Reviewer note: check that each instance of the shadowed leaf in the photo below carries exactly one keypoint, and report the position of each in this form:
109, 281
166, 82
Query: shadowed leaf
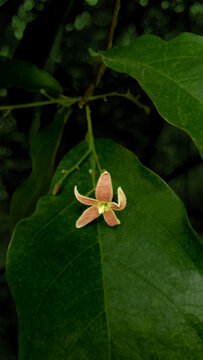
22, 74
43, 150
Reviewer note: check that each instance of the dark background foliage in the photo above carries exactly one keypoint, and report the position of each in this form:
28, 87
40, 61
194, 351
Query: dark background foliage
56, 36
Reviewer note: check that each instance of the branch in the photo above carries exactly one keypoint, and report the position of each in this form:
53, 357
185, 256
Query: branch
128, 95
91, 88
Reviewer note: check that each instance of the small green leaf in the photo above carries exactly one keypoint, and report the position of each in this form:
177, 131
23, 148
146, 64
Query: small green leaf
43, 150
93, 58
22, 74
171, 73
129, 292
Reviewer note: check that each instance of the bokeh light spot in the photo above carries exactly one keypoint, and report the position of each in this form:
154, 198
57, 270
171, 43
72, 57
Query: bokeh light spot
91, 2
69, 27
82, 20
28, 5
3, 92
179, 8
165, 4
143, 2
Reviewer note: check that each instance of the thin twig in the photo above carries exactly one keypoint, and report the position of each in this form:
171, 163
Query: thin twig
128, 95
113, 24
57, 187
91, 138
91, 88
90, 152
61, 101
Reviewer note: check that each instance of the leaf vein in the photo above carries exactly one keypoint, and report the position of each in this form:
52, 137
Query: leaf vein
171, 236
41, 229
70, 348
54, 280
164, 295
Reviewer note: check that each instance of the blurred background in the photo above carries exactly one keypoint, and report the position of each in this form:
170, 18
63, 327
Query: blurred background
56, 36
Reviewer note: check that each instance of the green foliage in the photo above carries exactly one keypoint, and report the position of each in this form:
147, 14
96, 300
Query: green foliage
3, 2
7, 125
43, 150
22, 74
4, 152
130, 292
171, 73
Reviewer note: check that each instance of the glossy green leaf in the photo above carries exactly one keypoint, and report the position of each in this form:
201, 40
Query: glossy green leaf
22, 74
43, 150
171, 73
129, 292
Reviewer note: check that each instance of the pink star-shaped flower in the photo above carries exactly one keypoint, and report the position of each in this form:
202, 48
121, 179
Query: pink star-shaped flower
102, 204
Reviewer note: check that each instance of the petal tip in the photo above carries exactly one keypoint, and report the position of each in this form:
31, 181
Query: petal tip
110, 218
122, 198
84, 199
77, 226
104, 191
122, 201
87, 216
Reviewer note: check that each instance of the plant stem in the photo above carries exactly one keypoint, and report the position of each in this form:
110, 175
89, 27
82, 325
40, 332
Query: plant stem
68, 101
27, 105
75, 167
113, 24
91, 139
128, 95
91, 88
61, 101
91, 151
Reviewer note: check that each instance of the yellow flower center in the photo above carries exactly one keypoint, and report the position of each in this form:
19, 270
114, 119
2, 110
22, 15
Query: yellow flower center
104, 206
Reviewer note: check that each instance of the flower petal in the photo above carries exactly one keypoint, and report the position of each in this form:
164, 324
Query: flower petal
121, 201
87, 216
104, 192
83, 199
111, 218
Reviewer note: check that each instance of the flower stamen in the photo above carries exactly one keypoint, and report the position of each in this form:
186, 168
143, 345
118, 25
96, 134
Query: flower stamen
104, 206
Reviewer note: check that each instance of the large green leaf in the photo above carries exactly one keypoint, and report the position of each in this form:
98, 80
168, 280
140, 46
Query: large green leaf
171, 73
43, 150
129, 292
22, 74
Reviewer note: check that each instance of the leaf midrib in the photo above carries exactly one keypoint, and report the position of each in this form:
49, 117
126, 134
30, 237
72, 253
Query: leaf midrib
106, 307
101, 254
